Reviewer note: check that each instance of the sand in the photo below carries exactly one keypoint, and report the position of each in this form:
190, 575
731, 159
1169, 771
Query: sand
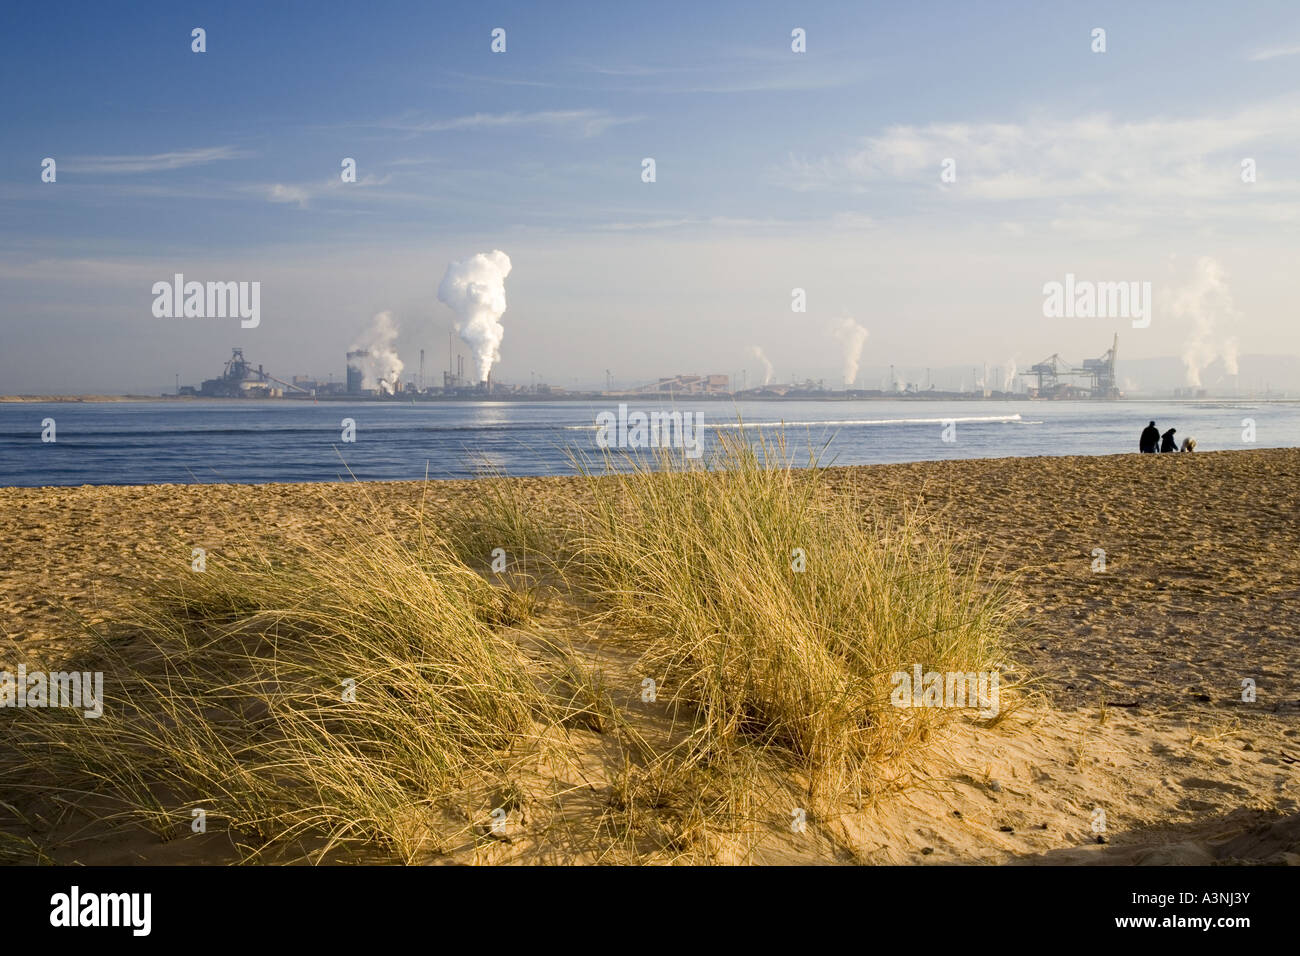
1140, 666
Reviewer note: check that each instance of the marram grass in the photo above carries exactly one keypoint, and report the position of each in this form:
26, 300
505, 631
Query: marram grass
345, 702
778, 612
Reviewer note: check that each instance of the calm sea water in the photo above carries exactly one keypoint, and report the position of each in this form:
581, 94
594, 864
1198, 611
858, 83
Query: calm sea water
261, 441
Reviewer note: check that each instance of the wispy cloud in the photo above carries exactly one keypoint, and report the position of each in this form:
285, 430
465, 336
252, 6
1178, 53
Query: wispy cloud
154, 162
657, 224
1274, 52
736, 72
414, 161
587, 122
278, 192
735, 69
1047, 158
640, 70
741, 76
301, 194
780, 82
843, 221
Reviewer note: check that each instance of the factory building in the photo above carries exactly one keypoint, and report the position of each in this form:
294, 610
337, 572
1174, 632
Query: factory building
690, 385
356, 377
240, 380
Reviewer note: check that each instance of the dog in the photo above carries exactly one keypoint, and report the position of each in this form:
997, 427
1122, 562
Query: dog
1189, 444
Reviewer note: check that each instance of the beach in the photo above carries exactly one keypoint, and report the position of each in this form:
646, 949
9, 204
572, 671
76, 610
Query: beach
1157, 592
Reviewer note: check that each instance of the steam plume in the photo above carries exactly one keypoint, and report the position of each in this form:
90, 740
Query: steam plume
475, 290
757, 353
1009, 383
1230, 356
381, 368
853, 337
1206, 301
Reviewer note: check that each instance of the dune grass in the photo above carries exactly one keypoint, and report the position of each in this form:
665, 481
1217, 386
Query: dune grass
776, 612
343, 702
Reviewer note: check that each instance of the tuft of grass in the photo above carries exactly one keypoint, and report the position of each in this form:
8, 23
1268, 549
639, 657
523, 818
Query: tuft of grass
503, 513
699, 559
232, 690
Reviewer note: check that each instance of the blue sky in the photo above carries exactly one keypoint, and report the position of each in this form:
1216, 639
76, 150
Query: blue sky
774, 170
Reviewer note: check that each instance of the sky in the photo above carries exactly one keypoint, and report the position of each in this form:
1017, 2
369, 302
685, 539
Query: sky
775, 170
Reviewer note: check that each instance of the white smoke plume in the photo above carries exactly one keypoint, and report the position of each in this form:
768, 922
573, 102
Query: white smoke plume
475, 290
381, 369
853, 337
757, 353
1206, 302
1009, 379
1230, 356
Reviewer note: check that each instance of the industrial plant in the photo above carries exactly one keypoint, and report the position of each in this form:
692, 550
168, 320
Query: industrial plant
376, 375
240, 380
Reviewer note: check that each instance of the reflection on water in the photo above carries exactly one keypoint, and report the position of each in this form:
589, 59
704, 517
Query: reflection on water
257, 441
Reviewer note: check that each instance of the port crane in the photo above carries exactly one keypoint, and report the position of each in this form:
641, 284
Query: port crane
1100, 373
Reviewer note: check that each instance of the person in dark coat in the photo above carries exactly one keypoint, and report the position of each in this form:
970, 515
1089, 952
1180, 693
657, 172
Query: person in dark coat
1168, 442
1150, 439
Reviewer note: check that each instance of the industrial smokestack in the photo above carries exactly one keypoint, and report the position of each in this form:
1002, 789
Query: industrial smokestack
355, 376
475, 290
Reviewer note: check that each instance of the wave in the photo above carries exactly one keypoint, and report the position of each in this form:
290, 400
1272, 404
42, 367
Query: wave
112, 434
1013, 419
116, 434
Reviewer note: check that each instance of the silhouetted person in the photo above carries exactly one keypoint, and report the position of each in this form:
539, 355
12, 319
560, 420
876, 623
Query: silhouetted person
1150, 439
1168, 442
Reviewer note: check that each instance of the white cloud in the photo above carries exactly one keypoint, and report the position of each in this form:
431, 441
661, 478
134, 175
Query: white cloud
279, 192
155, 162
1092, 157
710, 221
588, 122
303, 193
1274, 52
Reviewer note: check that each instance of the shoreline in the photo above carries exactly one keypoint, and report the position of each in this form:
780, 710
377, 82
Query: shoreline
368, 482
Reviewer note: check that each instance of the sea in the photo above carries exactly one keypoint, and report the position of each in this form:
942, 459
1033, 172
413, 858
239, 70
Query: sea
252, 441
